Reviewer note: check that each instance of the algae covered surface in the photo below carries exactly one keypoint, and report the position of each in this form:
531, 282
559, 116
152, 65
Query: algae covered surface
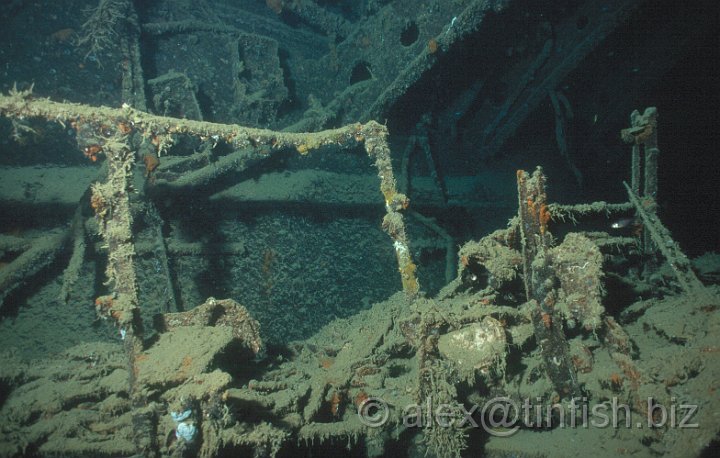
77, 402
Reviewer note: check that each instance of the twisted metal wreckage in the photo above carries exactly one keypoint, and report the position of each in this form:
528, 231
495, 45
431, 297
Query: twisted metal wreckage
408, 350
452, 340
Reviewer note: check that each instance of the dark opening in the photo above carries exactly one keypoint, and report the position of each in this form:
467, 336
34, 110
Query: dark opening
360, 72
409, 34
582, 22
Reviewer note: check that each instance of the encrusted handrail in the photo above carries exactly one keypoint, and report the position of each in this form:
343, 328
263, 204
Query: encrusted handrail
251, 144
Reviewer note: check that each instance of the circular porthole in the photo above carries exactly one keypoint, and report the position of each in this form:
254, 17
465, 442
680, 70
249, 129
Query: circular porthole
410, 34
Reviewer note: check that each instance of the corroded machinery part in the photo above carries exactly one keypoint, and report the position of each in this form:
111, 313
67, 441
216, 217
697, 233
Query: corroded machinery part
220, 313
578, 265
477, 347
540, 282
493, 261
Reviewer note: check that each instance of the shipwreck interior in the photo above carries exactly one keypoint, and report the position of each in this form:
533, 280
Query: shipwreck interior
282, 227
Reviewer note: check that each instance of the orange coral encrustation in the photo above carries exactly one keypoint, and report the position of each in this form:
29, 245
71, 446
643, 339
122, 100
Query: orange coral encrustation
544, 217
152, 161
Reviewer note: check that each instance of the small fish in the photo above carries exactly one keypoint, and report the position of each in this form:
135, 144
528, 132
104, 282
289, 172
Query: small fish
622, 223
628, 224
